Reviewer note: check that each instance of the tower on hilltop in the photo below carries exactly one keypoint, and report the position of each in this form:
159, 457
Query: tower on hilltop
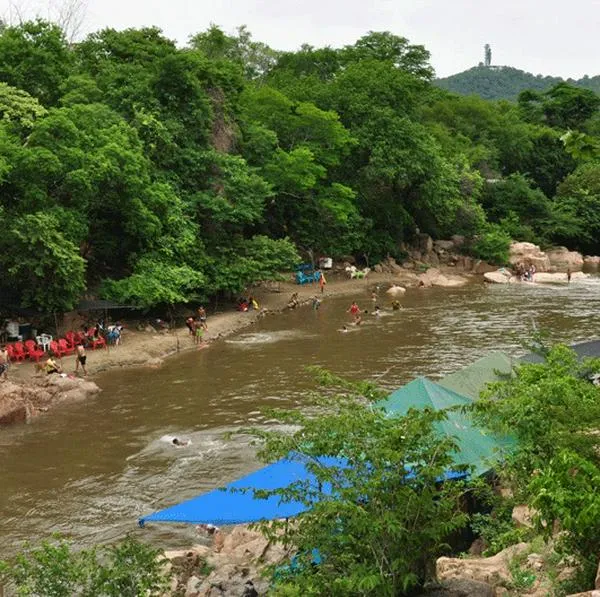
487, 55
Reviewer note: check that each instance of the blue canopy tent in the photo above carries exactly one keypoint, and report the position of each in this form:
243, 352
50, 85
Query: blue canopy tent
228, 506
231, 506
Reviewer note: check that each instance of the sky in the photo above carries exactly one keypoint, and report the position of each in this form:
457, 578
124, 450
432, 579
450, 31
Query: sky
549, 37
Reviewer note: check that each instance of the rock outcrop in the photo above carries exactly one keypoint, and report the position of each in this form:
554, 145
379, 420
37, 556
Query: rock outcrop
21, 401
229, 567
500, 276
562, 259
434, 277
493, 570
528, 254
591, 262
395, 291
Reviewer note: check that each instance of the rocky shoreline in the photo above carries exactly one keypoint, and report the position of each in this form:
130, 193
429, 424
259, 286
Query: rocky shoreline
20, 401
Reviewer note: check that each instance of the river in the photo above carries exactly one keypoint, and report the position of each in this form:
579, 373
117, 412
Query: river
89, 470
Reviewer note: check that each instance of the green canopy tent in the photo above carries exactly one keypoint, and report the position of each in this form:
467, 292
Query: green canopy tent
471, 380
476, 448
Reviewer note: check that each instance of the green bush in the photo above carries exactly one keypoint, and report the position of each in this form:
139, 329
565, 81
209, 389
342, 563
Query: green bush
493, 245
54, 569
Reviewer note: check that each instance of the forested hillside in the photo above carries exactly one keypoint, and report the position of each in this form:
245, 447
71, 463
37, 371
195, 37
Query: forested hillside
506, 82
140, 171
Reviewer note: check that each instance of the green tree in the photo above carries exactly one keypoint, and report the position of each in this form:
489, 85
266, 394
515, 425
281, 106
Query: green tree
18, 110
379, 529
555, 468
35, 57
386, 47
256, 58
41, 263
576, 218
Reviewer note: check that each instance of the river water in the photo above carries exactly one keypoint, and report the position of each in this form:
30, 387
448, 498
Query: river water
89, 470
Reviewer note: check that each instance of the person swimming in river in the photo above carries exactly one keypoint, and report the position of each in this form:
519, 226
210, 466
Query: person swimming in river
358, 319
396, 305
344, 329
181, 443
377, 311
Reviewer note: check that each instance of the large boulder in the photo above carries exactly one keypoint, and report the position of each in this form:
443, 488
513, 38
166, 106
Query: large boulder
424, 243
528, 254
443, 245
231, 567
13, 411
493, 570
522, 516
562, 259
434, 277
591, 262
395, 291
501, 276
483, 267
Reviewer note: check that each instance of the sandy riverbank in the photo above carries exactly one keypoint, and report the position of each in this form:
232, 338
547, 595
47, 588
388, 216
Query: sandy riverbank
149, 348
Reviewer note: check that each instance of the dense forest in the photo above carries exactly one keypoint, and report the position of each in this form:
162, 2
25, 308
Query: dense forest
506, 82
137, 170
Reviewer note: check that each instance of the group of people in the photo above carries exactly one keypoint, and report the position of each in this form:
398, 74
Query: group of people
197, 325
248, 304
525, 273
49, 366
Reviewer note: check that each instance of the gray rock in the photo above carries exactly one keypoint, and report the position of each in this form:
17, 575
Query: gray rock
443, 245
459, 587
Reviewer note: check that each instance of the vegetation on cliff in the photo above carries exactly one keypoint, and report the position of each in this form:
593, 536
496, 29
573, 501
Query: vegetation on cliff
154, 174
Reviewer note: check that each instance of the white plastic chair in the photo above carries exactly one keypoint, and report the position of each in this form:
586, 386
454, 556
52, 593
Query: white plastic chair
44, 341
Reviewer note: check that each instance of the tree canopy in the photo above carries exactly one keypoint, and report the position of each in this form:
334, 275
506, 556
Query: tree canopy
157, 174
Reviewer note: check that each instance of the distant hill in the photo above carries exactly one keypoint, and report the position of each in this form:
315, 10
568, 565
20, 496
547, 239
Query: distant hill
505, 82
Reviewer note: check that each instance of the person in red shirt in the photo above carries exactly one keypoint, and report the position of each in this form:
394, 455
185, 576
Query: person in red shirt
354, 309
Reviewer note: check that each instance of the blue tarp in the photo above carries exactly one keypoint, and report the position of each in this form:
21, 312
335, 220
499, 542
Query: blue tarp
227, 506
223, 506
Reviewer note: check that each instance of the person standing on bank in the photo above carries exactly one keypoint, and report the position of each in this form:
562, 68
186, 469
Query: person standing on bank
4, 363
322, 282
80, 358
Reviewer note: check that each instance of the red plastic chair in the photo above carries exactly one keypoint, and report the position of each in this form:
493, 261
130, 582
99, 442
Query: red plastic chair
10, 350
19, 351
98, 342
64, 347
55, 349
33, 352
71, 339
